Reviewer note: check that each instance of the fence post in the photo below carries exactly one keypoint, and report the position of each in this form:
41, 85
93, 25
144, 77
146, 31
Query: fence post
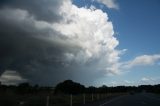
71, 100
84, 97
47, 103
92, 97
97, 96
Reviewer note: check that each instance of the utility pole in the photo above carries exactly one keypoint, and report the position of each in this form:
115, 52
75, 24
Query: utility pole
71, 100
84, 97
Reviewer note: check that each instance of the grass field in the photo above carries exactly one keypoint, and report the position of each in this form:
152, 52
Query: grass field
13, 99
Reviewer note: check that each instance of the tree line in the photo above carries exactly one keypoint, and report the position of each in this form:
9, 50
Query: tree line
71, 87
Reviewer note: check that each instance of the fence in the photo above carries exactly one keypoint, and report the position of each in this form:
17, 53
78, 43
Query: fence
51, 99
74, 100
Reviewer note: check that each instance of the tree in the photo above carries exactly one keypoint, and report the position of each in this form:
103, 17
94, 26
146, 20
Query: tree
69, 87
24, 88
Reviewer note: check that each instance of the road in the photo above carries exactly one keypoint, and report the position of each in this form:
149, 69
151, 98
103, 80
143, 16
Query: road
141, 99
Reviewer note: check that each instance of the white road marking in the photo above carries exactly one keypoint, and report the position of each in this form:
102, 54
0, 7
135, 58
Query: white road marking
111, 101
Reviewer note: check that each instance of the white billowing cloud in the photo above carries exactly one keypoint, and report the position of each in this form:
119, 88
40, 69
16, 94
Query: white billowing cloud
11, 78
149, 80
145, 79
109, 3
128, 82
142, 61
93, 33
92, 7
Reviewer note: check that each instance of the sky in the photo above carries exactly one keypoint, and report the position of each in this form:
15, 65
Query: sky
93, 42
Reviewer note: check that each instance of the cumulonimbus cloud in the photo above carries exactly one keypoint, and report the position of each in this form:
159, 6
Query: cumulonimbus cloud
43, 49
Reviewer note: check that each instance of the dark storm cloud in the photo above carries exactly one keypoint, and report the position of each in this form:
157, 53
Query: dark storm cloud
31, 45
41, 9
22, 47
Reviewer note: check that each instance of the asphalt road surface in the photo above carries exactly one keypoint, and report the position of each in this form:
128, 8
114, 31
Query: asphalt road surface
141, 99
